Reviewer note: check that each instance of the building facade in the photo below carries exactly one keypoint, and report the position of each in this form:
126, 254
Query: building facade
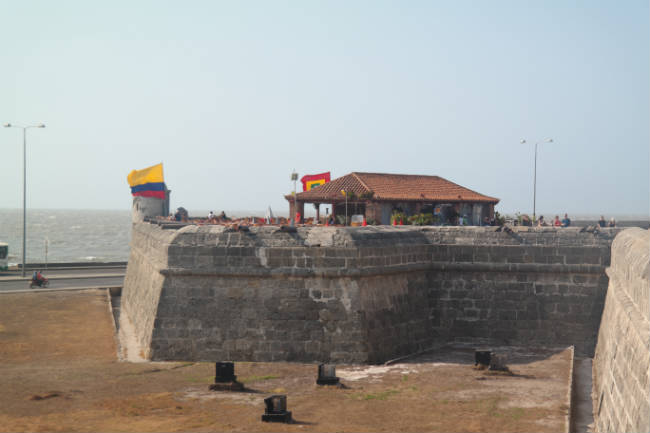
377, 196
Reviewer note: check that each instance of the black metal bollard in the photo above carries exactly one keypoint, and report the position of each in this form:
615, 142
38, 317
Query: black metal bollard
327, 375
224, 378
482, 357
224, 372
276, 409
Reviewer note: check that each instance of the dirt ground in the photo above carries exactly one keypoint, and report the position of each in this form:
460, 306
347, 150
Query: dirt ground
59, 372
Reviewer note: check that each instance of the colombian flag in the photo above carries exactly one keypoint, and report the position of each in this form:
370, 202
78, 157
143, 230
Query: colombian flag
147, 182
311, 181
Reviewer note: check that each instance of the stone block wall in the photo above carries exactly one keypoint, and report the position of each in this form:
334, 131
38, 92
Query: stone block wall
622, 361
220, 317
143, 283
539, 308
364, 294
395, 314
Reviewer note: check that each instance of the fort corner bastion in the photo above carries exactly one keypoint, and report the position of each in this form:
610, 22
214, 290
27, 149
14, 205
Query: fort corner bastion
360, 294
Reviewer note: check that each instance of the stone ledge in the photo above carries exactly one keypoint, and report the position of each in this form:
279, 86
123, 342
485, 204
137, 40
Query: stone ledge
373, 236
220, 271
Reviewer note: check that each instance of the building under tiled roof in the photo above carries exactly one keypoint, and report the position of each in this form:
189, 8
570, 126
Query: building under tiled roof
394, 187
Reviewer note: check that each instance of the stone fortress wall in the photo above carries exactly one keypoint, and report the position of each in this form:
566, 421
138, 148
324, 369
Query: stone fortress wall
622, 361
367, 294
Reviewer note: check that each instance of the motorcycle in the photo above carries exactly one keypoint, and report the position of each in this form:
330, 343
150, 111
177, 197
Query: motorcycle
39, 280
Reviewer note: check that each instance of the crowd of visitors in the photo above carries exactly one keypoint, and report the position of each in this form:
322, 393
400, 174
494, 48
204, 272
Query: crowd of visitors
564, 222
525, 220
181, 215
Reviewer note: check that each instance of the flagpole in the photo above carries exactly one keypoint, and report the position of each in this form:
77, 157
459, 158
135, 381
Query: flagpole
294, 177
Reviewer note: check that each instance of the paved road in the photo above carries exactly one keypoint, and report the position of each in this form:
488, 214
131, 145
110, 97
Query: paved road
66, 278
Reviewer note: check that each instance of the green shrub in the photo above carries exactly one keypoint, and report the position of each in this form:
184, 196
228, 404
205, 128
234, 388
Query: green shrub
422, 219
399, 216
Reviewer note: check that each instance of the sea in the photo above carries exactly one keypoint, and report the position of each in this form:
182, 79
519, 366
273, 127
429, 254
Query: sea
74, 235
66, 235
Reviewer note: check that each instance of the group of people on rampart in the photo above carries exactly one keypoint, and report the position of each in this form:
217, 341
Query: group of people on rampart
564, 222
181, 215
603, 223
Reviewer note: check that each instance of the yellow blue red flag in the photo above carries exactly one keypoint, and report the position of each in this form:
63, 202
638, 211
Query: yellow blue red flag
148, 182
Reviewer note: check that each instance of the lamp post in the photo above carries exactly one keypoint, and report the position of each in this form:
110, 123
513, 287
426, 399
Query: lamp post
24, 128
548, 140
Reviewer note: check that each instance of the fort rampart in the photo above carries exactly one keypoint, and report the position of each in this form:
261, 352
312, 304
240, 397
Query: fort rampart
367, 294
622, 361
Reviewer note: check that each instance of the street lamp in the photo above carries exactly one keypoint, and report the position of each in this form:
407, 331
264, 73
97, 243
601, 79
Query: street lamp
24, 128
548, 140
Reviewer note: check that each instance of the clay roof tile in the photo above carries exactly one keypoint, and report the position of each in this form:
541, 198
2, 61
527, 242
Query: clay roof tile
394, 187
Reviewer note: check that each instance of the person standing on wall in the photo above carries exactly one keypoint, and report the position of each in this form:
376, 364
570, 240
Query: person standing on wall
566, 221
557, 222
602, 222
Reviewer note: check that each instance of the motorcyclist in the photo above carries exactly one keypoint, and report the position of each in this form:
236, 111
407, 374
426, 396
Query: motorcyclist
38, 278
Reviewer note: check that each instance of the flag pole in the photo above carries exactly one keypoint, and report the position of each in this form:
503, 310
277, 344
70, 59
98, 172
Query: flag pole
294, 178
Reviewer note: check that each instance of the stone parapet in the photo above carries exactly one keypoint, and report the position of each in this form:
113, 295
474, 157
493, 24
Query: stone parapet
630, 267
622, 361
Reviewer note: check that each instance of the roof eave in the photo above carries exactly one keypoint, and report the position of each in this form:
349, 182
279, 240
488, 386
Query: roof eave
290, 197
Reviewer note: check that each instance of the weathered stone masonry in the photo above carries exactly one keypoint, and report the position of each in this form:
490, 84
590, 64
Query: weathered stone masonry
360, 294
622, 361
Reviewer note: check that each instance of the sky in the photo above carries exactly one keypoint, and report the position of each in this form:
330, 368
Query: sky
233, 96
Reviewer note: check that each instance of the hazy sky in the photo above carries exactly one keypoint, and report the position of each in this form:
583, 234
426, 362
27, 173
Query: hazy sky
231, 96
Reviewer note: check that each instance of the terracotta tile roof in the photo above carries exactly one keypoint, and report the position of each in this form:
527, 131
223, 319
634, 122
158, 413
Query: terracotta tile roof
394, 187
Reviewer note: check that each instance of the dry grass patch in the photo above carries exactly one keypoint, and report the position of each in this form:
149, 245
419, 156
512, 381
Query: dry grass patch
59, 349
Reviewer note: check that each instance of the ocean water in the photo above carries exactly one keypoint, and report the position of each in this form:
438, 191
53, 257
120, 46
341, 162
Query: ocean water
71, 235
76, 235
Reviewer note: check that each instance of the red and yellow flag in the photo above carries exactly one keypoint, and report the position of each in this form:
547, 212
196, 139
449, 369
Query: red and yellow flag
311, 181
